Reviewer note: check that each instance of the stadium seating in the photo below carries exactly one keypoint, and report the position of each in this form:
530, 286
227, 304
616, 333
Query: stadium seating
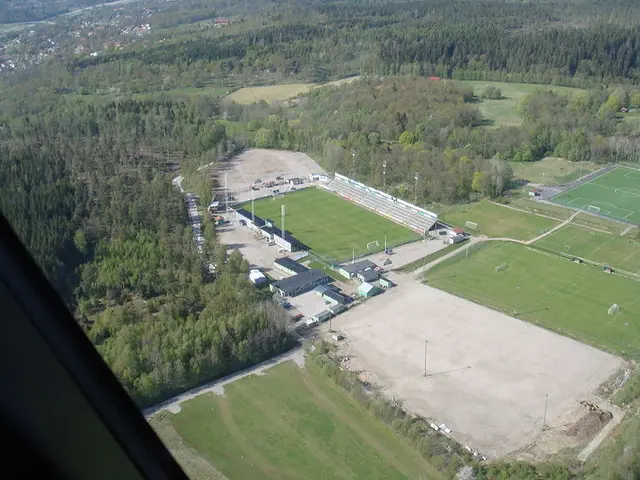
416, 218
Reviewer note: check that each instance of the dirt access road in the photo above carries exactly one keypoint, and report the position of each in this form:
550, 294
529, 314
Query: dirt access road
217, 386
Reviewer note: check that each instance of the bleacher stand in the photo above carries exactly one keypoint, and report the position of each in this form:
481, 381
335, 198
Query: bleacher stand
413, 217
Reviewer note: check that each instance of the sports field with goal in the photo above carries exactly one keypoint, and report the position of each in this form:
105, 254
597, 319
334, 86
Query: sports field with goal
572, 299
615, 194
613, 250
293, 423
330, 226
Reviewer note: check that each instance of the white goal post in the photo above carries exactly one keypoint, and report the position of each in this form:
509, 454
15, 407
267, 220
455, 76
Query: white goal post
471, 225
593, 209
373, 244
613, 309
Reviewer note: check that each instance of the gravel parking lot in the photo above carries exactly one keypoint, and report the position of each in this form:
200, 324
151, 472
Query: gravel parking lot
487, 373
242, 170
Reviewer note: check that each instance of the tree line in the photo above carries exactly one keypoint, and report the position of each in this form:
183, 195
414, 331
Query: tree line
88, 190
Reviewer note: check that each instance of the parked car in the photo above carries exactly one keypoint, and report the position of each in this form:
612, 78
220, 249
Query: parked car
298, 317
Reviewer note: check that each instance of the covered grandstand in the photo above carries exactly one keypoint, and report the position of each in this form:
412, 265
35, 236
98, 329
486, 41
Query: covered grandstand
416, 218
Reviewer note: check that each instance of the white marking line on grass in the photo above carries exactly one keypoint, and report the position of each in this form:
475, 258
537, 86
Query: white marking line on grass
604, 244
629, 256
632, 192
555, 290
628, 215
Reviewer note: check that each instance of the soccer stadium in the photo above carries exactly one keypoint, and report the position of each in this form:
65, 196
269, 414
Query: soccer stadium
339, 220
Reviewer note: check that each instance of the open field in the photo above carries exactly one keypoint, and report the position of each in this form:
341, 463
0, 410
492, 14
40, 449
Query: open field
487, 373
616, 194
613, 250
496, 221
540, 208
294, 424
421, 262
504, 112
569, 298
278, 93
551, 170
330, 226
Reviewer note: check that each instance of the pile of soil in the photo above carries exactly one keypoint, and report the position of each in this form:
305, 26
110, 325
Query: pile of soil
589, 425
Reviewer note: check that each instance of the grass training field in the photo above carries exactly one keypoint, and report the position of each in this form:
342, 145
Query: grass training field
503, 112
570, 298
294, 424
330, 226
551, 170
613, 250
616, 194
496, 221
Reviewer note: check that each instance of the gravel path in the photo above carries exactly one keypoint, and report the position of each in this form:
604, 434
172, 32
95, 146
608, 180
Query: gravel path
217, 386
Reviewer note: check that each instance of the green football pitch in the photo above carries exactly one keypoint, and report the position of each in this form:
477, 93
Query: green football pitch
330, 226
572, 299
294, 423
615, 194
613, 250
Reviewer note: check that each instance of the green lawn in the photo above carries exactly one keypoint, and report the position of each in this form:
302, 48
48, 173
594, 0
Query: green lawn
295, 424
616, 194
421, 262
504, 112
613, 250
330, 226
533, 206
570, 298
497, 221
551, 170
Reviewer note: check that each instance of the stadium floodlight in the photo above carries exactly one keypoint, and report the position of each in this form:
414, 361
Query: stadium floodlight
613, 309
471, 225
593, 209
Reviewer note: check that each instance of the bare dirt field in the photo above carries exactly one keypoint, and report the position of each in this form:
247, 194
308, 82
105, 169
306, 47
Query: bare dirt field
242, 170
487, 373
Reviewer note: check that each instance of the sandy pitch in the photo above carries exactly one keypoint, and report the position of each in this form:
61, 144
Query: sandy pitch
487, 373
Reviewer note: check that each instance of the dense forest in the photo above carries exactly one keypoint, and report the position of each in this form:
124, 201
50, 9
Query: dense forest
579, 43
411, 125
99, 213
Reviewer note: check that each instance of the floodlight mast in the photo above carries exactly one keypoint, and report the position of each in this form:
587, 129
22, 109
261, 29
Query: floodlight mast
283, 213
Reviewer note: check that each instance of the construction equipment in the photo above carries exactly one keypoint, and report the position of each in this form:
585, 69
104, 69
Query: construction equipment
591, 406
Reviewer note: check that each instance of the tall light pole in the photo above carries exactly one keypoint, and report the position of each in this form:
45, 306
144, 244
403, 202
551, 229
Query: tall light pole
544, 418
283, 213
415, 196
226, 194
253, 215
426, 345
384, 174
353, 165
